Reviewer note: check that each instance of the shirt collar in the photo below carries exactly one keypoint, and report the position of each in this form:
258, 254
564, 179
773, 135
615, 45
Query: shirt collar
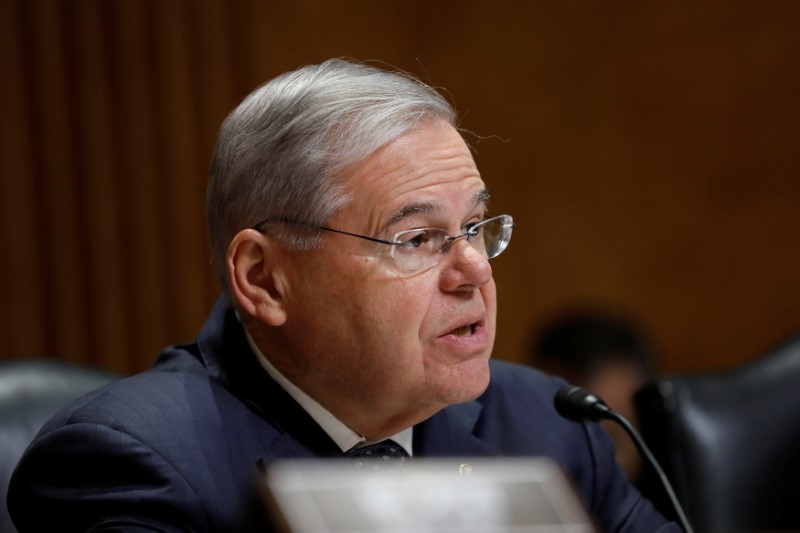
338, 431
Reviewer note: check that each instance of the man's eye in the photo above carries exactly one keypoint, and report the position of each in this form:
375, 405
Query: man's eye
416, 240
471, 229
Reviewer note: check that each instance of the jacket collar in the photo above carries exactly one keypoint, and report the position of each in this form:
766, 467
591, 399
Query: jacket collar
218, 341
452, 432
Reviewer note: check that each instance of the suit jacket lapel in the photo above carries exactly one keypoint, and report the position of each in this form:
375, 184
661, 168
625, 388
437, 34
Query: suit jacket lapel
451, 432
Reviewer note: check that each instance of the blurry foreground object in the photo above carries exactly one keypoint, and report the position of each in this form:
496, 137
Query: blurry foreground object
31, 391
444, 495
729, 442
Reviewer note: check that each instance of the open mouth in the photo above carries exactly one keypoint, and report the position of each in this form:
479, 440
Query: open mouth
464, 331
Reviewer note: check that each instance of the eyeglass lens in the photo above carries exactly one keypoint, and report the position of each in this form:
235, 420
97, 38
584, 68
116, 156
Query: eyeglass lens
423, 248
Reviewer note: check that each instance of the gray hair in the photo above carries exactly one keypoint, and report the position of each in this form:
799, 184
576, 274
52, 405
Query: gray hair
280, 154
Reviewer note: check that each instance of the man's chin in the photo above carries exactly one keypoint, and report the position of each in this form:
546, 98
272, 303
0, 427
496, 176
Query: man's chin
469, 383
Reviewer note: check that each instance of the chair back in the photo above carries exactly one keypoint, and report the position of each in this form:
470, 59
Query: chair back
729, 443
31, 391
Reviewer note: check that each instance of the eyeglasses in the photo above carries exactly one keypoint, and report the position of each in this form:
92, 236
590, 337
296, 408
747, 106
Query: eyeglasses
419, 249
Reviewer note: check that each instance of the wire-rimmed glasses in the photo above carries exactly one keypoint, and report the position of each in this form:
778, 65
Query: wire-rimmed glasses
419, 249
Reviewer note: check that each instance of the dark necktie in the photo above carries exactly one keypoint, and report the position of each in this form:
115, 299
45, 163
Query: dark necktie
385, 454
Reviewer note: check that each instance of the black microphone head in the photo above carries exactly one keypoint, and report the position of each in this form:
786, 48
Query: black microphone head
579, 405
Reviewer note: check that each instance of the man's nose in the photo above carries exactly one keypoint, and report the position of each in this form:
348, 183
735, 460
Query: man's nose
465, 267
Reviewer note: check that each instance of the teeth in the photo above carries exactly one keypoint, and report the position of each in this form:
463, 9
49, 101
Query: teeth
463, 331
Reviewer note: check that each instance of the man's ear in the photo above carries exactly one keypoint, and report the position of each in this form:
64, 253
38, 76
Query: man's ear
255, 276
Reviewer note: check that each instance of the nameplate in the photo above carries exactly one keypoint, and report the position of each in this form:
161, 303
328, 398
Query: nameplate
496, 495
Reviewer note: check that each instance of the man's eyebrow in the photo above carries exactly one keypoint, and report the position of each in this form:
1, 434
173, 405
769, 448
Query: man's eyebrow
481, 198
412, 209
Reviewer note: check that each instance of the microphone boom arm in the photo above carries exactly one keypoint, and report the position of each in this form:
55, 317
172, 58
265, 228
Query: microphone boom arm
645, 451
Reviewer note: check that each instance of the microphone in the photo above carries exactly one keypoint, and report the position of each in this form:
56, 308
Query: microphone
580, 405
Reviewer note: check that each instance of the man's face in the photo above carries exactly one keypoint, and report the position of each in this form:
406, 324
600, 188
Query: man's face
364, 335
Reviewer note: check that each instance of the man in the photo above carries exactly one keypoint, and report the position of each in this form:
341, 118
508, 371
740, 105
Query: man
344, 323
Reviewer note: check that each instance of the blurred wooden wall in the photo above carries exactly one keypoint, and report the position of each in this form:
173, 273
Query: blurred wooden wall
647, 150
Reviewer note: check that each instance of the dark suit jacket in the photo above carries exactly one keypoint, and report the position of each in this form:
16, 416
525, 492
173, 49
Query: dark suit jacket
177, 447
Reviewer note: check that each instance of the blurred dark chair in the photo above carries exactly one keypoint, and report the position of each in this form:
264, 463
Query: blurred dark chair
730, 443
31, 391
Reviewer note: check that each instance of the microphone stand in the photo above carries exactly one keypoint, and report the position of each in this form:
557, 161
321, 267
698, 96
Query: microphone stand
645, 451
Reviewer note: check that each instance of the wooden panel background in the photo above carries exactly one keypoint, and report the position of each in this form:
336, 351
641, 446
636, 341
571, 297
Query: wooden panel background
647, 150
